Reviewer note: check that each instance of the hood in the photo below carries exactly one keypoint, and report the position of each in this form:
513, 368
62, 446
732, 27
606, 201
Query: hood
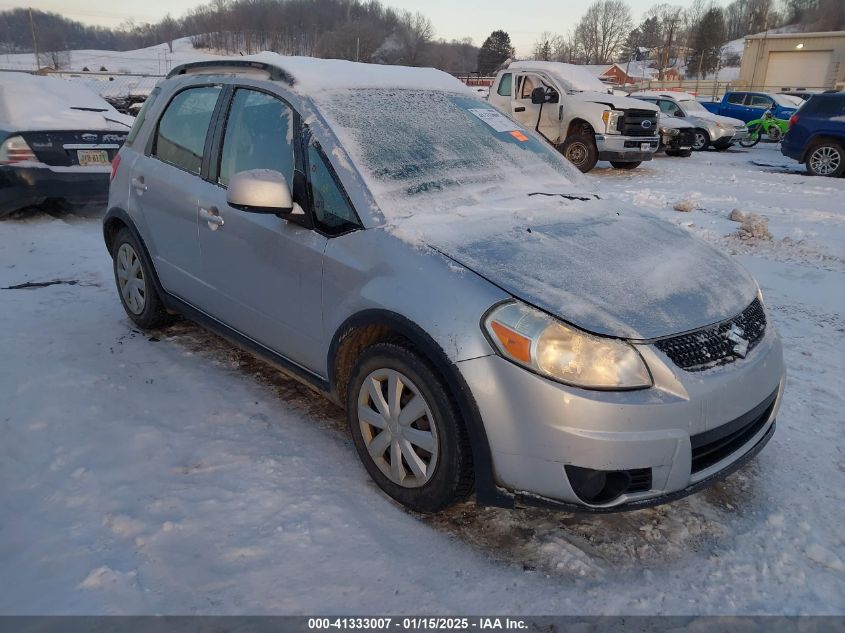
616, 102
718, 118
618, 273
666, 120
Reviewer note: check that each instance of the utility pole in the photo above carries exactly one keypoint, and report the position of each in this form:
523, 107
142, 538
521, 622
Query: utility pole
357, 47
34, 39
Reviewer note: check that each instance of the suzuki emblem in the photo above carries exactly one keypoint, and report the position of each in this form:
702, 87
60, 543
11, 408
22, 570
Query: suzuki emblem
734, 335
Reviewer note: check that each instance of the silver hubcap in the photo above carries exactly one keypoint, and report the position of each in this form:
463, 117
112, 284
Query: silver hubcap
577, 153
130, 279
398, 429
825, 160
700, 141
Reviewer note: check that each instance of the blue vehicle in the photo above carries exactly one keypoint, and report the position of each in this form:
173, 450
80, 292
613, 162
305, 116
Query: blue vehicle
816, 135
748, 106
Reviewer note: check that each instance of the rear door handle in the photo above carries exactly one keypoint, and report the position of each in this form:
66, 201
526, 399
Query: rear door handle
212, 217
138, 185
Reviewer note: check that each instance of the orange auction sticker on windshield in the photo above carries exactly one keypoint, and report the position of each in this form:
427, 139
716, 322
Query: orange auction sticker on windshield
519, 136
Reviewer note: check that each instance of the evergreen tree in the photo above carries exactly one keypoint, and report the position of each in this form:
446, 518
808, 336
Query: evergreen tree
496, 49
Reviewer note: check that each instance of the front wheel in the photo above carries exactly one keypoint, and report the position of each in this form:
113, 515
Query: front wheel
753, 137
581, 151
626, 165
826, 158
407, 430
683, 153
701, 140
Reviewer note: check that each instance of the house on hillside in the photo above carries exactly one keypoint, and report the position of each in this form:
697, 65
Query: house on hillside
630, 72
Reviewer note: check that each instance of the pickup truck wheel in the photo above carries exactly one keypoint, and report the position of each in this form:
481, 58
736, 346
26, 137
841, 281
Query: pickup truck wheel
620, 165
701, 140
683, 153
580, 150
826, 158
407, 430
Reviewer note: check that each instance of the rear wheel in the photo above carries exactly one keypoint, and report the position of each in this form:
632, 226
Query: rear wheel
774, 133
581, 151
826, 158
625, 165
133, 278
701, 140
683, 153
407, 430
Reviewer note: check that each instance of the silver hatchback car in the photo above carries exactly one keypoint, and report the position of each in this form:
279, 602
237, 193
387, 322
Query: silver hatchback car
488, 322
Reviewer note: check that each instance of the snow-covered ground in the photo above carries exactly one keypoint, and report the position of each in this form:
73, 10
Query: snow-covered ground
167, 472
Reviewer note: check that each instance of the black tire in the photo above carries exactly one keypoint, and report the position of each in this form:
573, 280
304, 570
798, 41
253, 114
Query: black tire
835, 154
153, 314
754, 134
774, 134
681, 153
581, 151
722, 145
453, 476
701, 140
617, 164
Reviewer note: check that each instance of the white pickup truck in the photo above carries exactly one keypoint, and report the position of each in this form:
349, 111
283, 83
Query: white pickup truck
576, 113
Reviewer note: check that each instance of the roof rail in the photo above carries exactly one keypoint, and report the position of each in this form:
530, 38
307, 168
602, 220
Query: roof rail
276, 73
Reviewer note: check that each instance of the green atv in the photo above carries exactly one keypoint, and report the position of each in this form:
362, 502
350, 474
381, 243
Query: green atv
772, 127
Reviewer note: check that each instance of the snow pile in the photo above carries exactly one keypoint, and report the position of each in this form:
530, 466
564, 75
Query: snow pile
571, 76
754, 227
684, 205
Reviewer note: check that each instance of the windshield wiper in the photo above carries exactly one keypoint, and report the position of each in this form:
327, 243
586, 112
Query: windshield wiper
569, 196
84, 109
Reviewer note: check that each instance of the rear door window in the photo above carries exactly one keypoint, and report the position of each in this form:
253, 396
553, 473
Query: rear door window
259, 135
760, 101
505, 84
183, 128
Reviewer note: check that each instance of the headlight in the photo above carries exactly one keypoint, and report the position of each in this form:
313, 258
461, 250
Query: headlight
558, 351
611, 120
670, 131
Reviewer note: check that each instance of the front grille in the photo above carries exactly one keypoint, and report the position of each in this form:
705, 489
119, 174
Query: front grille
713, 345
631, 123
713, 446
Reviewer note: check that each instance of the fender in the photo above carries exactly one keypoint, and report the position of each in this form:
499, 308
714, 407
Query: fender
486, 491
118, 214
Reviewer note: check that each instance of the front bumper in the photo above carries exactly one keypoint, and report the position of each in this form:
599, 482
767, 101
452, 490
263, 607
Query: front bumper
620, 148
31, 185
536, 427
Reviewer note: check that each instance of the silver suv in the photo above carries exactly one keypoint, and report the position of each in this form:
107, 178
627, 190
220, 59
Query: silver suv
487, 322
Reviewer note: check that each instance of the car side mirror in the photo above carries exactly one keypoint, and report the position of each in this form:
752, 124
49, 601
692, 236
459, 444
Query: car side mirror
542, 94
264, 191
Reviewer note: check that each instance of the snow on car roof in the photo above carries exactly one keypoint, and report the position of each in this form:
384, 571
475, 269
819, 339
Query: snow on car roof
675, 94
30, 103
576, 77
311, 75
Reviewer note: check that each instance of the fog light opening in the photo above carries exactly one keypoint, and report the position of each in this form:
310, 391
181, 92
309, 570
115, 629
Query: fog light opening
597, 486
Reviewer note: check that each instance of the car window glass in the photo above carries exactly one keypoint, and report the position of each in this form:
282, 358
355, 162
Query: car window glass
142, 115
760, 101
826, 107
669, 107
736, 98
180, 139
505, 85
332, 211
259, 135
527, 85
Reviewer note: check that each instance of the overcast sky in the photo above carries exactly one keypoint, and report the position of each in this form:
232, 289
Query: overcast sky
523, 19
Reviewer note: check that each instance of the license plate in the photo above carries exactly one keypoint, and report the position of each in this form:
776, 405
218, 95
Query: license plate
88, 157
645, 147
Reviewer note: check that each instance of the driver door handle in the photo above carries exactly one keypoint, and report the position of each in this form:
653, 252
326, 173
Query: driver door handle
212, 217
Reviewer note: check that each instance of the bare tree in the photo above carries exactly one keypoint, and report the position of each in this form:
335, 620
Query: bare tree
545, 46
603, 30
669, 18
414, 33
